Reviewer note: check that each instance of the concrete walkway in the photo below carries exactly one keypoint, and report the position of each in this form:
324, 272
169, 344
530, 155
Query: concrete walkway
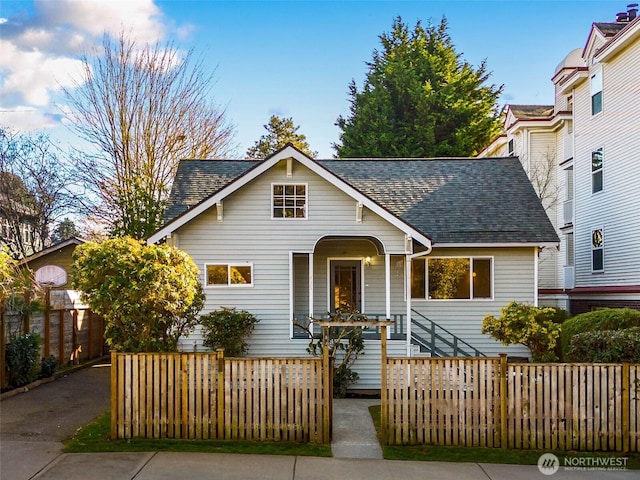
354, 435
33, 424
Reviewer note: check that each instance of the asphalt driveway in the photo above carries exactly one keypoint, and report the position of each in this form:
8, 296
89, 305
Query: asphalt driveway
33, 424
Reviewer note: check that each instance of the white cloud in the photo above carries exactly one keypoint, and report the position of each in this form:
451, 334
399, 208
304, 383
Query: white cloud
98, 16
40, 52
25, 118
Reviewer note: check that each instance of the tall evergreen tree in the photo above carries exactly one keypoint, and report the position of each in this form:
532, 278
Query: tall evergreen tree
280, 131
419, 99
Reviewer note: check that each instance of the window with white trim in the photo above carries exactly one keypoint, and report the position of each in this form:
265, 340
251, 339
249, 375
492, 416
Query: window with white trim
289, 201
596, 92
452, 278
597, 174
597, 250
228, 275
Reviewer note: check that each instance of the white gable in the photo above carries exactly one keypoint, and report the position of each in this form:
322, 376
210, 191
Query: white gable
288, 152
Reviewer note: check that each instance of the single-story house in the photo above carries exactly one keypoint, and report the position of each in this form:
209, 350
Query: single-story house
431, 244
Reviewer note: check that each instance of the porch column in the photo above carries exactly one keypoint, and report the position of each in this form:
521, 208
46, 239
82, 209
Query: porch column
387, 290
387, 285
311, 285
408, 290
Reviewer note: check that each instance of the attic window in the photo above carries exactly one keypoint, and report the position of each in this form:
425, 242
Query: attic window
510, 148
289, 201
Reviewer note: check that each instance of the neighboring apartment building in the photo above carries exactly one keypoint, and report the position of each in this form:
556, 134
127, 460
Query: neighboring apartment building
582, 155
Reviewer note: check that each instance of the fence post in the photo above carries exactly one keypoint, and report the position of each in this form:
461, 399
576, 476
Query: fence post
88, 318
503, 400
47, 322
220, 394
626, 405
61, 339
3, 342
383, 382
114, 396
326, 405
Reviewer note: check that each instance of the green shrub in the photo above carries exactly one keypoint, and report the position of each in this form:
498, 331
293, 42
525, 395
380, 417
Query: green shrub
606, 346
597, 320
345, 344
149, 295
228, 329
21, 359
528, 325
48, 366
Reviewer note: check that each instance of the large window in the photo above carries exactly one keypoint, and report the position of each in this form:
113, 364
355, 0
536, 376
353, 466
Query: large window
455, 278
597, 250
596, 92
597, 177
289, 201
227, 274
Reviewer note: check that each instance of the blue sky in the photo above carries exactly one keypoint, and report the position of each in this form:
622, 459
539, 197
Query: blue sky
293, 59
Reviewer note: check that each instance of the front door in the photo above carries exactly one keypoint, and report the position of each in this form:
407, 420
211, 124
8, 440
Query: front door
346, 285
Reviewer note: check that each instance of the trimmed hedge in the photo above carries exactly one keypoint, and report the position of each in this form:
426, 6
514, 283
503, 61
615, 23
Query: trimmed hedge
607, 346
597, 321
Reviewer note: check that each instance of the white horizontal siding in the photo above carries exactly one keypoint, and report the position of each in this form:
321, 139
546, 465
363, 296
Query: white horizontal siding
513, 281
248, 234
617, 207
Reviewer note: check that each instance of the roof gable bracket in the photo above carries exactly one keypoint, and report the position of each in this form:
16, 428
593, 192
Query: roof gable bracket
219, 211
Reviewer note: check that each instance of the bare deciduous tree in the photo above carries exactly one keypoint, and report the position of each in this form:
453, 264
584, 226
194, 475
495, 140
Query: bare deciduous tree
144, 107
542, 173
35, 191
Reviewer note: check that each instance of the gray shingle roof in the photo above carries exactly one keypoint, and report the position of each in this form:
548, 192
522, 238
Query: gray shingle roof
197, 180
465, 200
531, 111
609, 29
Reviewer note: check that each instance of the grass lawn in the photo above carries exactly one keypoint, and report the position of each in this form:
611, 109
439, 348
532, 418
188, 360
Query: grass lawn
94, 437
438, 453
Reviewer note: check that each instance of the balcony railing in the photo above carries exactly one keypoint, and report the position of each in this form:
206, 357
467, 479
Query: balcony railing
569, 277
567, 208
568, 146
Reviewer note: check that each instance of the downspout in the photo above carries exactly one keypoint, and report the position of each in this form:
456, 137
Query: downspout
536, 261
409, 258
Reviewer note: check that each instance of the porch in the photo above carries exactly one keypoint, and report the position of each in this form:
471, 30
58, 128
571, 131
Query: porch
357, 274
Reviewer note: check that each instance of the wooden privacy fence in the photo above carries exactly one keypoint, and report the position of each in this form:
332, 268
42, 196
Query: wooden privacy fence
207, 396
488, 402
72, 335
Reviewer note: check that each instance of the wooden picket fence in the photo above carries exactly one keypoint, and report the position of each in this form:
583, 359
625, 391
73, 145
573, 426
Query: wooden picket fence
208, 396
488, 402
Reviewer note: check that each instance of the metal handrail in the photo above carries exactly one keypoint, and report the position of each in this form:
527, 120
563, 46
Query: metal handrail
455, 342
